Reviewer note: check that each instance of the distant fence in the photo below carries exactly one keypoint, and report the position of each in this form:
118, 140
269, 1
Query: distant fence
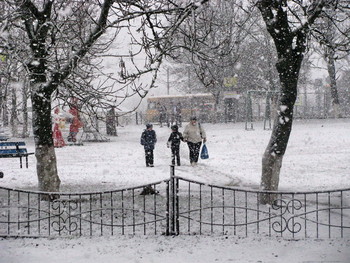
181, 206
259, 106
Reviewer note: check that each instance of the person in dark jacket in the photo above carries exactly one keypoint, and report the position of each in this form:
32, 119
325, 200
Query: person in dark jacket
148, 140
174, 141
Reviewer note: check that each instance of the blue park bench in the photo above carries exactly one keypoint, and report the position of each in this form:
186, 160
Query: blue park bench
4, 138
14, 150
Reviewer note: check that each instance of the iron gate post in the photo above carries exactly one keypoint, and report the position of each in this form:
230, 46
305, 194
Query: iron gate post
173, 204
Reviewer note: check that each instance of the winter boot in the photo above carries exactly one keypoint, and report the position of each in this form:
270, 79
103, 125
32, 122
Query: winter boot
148, 190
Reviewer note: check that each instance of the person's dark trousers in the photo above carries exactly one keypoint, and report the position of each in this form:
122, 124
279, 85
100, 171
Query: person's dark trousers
175, 153
178, 121
149, 157
194, 151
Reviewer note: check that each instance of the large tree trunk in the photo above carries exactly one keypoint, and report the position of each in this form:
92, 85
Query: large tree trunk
41, 91
44, 148
288, 69
271, 166
47, 169
38, 25
274, 153
290, 46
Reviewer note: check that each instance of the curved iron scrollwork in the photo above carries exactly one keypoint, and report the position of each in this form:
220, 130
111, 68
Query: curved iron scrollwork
287, 217
63, 222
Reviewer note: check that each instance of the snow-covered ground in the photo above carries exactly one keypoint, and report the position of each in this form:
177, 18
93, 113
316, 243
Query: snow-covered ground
317, 158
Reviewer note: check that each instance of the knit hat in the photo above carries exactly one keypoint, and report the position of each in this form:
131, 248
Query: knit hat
174, 128
149, 125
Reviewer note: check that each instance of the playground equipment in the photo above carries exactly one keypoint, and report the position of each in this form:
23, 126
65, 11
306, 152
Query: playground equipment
315, 104
264, 99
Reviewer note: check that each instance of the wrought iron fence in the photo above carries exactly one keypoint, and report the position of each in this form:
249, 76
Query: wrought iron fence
125, 211
208, 209
180, 206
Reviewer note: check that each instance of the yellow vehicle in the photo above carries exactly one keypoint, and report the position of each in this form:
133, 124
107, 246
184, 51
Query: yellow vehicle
177, 108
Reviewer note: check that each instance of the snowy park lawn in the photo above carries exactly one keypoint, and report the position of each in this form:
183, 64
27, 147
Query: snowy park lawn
317, 158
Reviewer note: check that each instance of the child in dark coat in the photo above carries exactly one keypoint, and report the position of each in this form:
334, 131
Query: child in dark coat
174, 141
148, 140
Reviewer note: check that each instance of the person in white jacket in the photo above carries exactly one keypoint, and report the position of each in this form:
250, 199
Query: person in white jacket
194, 134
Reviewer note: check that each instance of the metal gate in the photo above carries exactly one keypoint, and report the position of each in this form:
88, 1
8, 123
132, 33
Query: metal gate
210, 209
180, 206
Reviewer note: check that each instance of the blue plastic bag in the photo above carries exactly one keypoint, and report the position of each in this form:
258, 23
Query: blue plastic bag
204, 152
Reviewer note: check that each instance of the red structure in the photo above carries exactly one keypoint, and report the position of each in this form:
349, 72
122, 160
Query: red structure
58, 140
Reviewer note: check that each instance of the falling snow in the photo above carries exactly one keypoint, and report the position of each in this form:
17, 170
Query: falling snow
317, 158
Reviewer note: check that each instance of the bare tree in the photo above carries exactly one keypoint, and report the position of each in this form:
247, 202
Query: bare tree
13, 77
209, 46
55, 52
332, 34
289, 23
